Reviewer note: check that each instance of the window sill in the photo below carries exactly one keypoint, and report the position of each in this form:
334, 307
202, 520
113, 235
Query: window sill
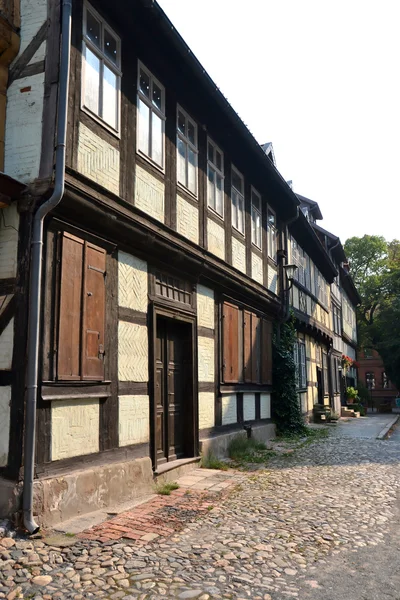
184, 190
75, 390
148, 160
214, 213
241, 233
103, 124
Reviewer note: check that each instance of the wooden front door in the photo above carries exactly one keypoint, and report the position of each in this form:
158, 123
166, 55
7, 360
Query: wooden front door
173, 390
320, 386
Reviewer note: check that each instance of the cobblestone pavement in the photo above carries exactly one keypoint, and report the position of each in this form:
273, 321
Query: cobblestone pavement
284, 531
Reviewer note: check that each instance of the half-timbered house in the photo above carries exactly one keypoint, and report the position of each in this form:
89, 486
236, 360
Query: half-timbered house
162, 263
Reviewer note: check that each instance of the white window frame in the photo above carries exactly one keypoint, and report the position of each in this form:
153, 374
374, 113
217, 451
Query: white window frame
104, 60
254, 213
240, 199
211, 165
272, 256
153, 109
188, 144
302, 365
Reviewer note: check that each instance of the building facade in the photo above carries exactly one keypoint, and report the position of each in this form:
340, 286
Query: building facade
371, 372
162, 264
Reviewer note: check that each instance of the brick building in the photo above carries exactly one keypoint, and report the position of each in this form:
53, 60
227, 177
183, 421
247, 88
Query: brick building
371, 372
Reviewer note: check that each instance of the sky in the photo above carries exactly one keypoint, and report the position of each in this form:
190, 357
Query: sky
320, 79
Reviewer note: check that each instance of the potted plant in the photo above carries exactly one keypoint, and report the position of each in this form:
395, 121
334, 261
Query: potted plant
351, 394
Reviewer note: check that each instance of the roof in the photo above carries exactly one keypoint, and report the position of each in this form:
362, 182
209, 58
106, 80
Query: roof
314, 206
306, 237
269, 151
278, 184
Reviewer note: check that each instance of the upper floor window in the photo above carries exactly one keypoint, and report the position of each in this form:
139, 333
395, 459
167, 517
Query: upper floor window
272, 235
187, 151
215, 176
151, 116
336, 319
237, 194
370, 380
385, 381
101, 68
256, 218
299, 355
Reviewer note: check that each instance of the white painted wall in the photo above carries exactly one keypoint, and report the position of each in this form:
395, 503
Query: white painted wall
9, 223
249, 407
23, 136
5, 399
229, 409
74, 428
187, 219
149, 194
206, 360
132, 282
98, 160
134, 420
7, 346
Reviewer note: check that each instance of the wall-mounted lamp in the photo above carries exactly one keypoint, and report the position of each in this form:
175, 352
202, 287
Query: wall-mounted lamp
290, 271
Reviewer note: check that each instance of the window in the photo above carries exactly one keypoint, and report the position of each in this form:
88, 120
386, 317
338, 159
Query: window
272, 235
246, 346
101, 68
173, 288
370, 380
299, 355
336, 376
256, 228
151, 116
82, 311
237, 195
186, 143
215, 177
325, 372
385, 381
336, 319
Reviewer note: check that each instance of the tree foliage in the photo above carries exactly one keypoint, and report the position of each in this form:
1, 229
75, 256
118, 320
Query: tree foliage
286, 407
375, 267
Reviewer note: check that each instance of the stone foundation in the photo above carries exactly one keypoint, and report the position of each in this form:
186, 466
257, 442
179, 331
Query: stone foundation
218, 445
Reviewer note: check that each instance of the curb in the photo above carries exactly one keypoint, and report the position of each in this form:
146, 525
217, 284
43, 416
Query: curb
384, 433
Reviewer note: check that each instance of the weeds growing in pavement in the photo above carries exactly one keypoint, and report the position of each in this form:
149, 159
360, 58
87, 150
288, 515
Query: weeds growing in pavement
210, 461
165, 489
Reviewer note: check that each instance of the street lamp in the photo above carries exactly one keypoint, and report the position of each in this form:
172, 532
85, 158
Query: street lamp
289, 270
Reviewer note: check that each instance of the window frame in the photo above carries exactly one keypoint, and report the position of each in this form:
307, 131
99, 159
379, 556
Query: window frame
299, 353
372, 379
103, 60
256, 211
240, 196
188, 144
153, 109
213, 166
274, 257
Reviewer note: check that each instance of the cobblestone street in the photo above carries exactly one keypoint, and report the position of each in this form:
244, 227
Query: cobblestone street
310, 524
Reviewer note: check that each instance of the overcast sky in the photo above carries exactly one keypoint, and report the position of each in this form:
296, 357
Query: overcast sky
321, 80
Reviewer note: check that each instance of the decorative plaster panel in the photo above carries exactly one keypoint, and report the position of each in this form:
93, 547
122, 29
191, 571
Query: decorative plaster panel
5, 399
229, 409
265, 406
134, 420
272, 279
132, 282
74, 427
98, 160
206, 410
216, 239
149, 194
133, 352
9, 224
187, 220
257, 268
205, 307
249, 407
6, 346
238, 255
206, 360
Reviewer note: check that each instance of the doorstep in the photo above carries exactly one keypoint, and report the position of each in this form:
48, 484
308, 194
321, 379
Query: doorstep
169, 471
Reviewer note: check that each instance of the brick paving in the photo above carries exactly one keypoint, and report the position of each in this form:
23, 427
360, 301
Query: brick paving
162, 516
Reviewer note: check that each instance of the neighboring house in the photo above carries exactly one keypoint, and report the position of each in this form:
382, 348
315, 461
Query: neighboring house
310, 300
371, 372
324, 300
162, 267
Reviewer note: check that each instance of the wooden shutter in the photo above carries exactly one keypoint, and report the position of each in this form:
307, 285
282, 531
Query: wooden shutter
255, 348
93, 313
247, 366
230, 329
68, 360
266, 352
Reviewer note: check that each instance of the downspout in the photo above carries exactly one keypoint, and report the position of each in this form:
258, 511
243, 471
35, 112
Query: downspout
35, 291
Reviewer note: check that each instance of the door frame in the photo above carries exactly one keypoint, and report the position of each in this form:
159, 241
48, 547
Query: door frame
174, 314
